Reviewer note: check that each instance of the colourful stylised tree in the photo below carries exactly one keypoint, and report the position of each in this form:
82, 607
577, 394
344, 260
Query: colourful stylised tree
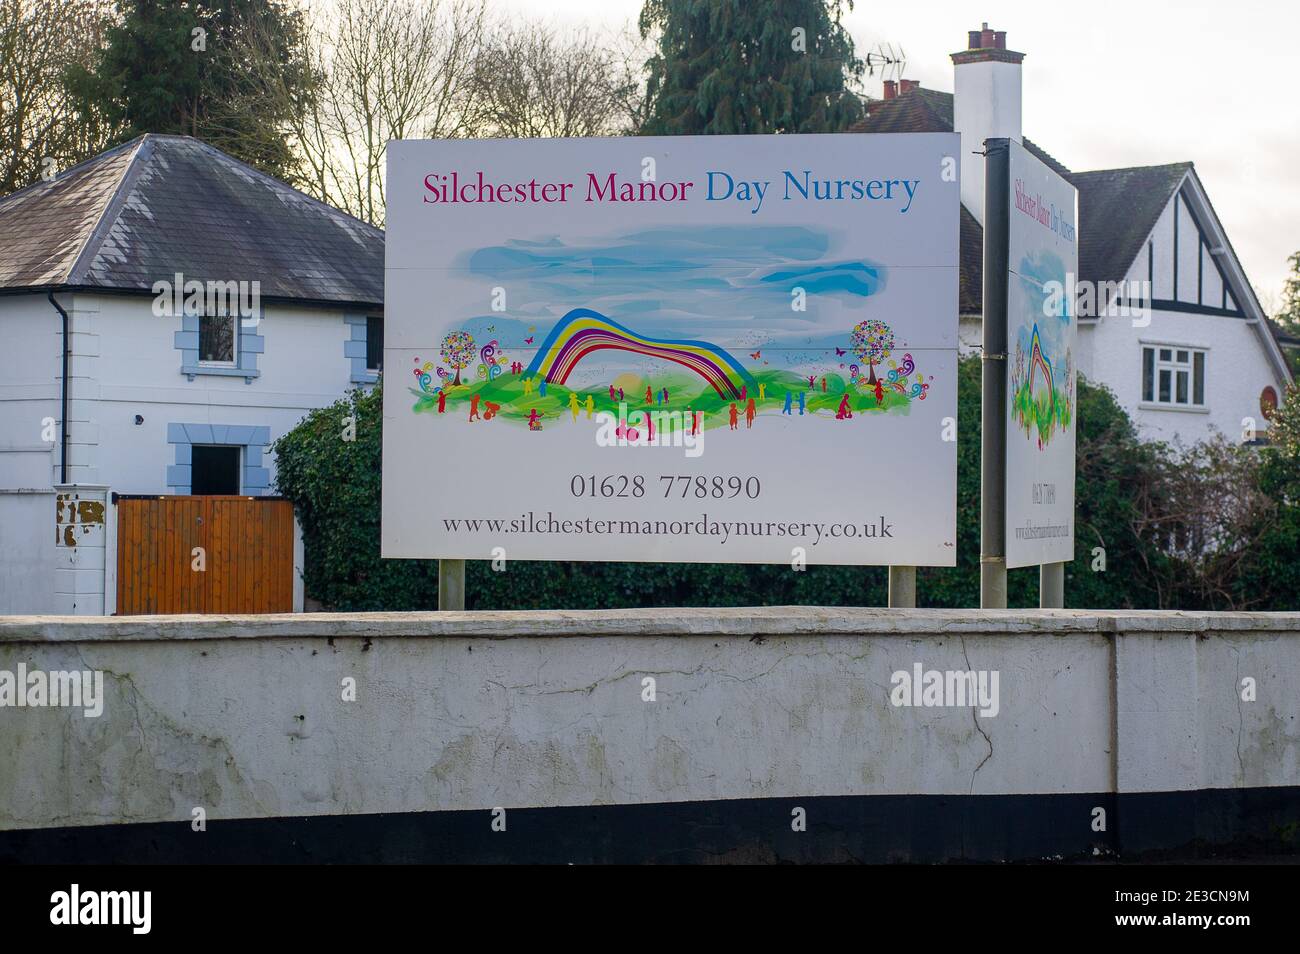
872, 341
458, 351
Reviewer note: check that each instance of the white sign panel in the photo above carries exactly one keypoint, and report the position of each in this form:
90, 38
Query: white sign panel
1043, 265
689, 349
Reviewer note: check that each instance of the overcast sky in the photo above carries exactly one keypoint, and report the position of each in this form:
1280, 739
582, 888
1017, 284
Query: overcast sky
1112, 83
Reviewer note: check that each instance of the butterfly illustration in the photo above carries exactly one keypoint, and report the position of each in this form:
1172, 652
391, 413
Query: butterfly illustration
756, 354
528, 340
839, 352
532, 328
491, 328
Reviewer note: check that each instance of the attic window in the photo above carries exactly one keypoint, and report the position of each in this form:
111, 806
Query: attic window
217, 335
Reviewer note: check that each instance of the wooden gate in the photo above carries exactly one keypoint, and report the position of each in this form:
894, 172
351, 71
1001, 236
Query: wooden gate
183, 554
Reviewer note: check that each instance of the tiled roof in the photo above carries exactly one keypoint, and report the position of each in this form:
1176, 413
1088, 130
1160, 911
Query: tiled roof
158, 205
917, 110
1117, 207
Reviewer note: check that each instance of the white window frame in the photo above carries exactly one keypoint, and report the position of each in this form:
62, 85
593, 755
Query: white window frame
234, 353
1181, 360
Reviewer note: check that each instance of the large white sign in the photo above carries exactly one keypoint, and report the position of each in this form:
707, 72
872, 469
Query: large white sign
695, 349
1043, 265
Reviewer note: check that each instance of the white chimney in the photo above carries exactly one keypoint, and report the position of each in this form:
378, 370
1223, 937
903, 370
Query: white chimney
985, 105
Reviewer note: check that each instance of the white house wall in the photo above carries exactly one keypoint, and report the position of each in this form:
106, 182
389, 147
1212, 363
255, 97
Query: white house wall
1162, 261
29, 406
1236, 370
29, 391
1189, 253
137, 372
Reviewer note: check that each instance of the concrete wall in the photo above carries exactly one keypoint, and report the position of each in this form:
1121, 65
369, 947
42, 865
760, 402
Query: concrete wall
244, 716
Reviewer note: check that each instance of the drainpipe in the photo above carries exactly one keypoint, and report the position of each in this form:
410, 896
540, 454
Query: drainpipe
63, 436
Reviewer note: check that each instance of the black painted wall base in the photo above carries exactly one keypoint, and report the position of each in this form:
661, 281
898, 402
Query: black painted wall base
870, 829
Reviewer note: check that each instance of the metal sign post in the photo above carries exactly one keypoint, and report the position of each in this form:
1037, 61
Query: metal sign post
902, 587
993, 377
451, 584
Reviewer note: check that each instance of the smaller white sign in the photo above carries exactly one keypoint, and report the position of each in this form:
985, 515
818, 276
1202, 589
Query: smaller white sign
1042, 263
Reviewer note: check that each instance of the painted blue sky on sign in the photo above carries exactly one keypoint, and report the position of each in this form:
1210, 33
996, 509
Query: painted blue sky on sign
728, 284
1053, 329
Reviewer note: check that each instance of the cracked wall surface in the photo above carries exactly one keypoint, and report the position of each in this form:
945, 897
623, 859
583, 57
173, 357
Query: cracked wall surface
245, 718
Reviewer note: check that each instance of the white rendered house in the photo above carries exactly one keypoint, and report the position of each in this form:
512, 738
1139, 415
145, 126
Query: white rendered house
107, 385
1203, 357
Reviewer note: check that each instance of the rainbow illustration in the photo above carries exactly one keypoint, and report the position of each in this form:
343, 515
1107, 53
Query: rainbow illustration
583, 331
1036, 362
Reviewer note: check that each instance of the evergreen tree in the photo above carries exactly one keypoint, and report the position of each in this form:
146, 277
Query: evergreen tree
186, 67
749, 66
1288, 317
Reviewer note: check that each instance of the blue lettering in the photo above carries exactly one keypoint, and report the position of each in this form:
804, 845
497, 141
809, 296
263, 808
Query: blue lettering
731, 185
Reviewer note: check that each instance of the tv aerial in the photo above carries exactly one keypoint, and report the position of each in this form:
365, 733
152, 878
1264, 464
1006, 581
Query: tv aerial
890, 60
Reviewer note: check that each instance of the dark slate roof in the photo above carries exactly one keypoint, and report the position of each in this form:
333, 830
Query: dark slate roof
970, 288
164, 204
44, 228
1117, 207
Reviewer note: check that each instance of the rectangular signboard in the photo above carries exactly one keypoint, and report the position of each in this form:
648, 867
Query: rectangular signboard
690, 349
1043, 265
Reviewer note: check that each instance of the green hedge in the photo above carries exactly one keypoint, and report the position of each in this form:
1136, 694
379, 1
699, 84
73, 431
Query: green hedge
1122, 484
